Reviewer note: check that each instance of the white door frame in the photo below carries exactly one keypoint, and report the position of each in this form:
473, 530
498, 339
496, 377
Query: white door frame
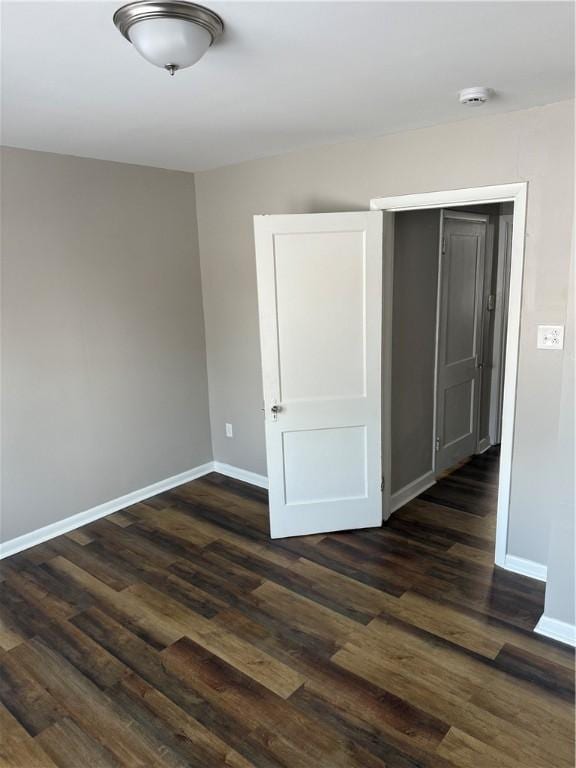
517, 194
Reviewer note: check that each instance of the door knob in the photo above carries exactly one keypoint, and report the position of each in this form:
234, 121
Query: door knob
276, 408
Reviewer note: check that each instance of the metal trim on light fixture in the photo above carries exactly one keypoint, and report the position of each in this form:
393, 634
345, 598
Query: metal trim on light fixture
130, 14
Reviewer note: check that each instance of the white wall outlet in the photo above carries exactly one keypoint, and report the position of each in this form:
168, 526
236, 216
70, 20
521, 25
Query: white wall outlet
229, 430
550, 337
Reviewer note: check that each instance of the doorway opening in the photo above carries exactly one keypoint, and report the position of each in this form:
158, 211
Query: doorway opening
455, 347
451, 270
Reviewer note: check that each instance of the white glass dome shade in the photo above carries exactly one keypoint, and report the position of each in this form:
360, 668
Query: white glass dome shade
170, 42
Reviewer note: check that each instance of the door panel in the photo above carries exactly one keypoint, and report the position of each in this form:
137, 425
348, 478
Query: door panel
458, 410
459, 319
305, 450
460, 294
320, 307
320, 304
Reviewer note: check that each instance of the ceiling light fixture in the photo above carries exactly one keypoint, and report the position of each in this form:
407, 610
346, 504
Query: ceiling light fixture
172, 35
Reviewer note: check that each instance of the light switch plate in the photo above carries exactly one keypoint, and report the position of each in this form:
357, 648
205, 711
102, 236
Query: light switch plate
229, 430
550, 337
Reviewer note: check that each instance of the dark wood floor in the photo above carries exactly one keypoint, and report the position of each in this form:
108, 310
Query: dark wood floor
175, 633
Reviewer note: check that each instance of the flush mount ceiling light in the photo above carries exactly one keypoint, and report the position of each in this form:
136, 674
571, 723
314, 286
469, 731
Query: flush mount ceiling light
172, 35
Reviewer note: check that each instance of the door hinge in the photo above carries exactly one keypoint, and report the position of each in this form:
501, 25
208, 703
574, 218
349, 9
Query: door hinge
491, 303
444, 245
382, 485
437, 443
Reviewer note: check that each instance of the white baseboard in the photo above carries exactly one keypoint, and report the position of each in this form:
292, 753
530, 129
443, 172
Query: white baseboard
525, 567
413, 489
483, 445
401, 497
40, 535
95, 513
557, 630
241, 474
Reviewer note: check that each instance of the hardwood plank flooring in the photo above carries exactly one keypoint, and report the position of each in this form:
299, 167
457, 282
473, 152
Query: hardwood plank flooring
176, 633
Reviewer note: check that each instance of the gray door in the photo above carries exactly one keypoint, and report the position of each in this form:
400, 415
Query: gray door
461, 280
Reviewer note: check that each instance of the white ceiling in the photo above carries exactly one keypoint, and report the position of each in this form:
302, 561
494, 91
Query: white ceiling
286, 75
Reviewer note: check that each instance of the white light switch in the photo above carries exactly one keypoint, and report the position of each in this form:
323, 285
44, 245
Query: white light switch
229, 430
550, 337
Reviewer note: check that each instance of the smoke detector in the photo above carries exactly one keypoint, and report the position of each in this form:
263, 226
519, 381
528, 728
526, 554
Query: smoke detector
474, 97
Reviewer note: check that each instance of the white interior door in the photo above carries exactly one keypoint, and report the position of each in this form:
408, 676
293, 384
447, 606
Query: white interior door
320, 302
458, 371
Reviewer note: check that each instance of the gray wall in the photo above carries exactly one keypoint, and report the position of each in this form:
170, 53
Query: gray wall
490, 275
416, 239
104, 375
534, 145
561, 587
